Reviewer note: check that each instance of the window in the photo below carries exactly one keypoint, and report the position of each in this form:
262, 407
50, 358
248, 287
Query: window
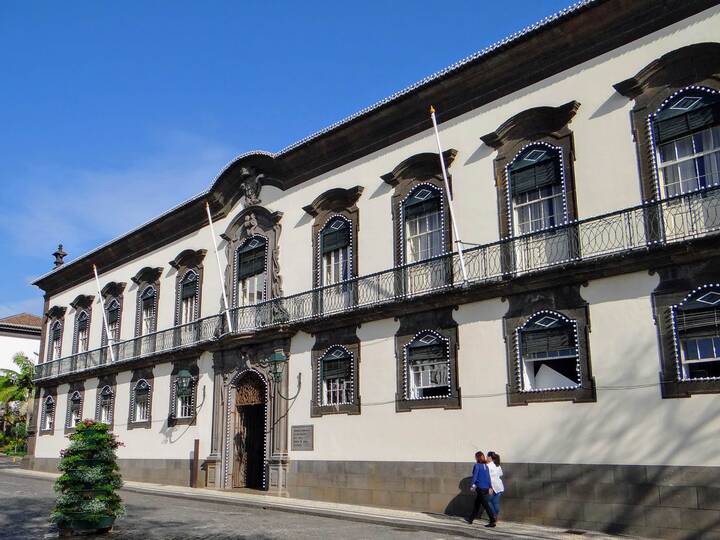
188, 297
141, 401
687, 138
83, 332
48, 414
536, 189
55, 349
336, 373
113, 320
251, 271
697, 326
74, 410
147, 311
334, 249
547, 345
422, 212
428, 367
105, 405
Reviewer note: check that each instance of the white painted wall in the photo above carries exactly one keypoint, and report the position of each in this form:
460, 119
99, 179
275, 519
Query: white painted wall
159, 441
624, 426
11, 344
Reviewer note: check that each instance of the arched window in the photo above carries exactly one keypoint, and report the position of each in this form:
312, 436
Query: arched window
423, 224
188, 297
548, 350
336, 375
83, 332
251, 271
335, 251
105, 405
428, 366
48, 414
113, 319
55, 349
74, 410
686, 132
697, 334
140, 408
148, 306
536, 189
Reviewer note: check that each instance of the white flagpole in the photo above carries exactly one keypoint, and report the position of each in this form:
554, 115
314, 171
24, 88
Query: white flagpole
102, 305
220, 270
449, 195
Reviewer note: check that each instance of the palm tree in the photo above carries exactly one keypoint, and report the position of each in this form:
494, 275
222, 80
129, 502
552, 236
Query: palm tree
17, 385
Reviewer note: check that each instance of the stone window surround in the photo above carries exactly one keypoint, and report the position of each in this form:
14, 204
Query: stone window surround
138, 375
188, 261
147, 277
328, 205
348, 340
695, 65
254, 220
52, 394
192, 367
112, 291
56, 314
81, 304
439, 321
109, 381
567, 302
78, 387
542, 126
414, 171
676, 283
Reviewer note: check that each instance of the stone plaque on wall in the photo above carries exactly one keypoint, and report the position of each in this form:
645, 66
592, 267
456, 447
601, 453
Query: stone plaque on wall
302, 438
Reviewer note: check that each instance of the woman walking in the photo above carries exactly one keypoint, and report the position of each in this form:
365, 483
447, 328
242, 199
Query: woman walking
496, 484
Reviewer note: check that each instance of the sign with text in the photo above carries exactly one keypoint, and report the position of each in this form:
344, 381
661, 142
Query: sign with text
302, 438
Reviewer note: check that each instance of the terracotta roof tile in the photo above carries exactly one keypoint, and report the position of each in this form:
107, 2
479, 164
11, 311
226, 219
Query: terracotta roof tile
23, 319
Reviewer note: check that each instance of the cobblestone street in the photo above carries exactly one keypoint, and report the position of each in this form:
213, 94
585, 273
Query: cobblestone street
25, 504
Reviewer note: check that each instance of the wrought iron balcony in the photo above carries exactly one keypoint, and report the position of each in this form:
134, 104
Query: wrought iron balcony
643, 227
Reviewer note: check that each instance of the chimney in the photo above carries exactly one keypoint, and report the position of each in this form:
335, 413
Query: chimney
59, 256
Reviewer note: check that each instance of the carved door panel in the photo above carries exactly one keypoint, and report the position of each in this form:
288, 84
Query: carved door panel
239, 451
249, 434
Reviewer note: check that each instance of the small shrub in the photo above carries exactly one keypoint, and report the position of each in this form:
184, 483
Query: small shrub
87, 487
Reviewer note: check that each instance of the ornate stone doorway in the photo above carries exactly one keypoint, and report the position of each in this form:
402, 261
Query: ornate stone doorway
249, 427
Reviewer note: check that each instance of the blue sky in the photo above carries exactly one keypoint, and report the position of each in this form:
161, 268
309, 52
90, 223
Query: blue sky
104, 100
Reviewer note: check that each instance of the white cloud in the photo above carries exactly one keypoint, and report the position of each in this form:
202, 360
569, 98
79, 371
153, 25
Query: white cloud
29, 305
86, 207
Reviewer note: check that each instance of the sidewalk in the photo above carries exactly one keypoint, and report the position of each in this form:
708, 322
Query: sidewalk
383, 516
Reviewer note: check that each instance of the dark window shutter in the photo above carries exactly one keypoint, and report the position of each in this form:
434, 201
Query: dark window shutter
526, 176
698, 322
335, 235
545, 341
82, 322
251, 262
188, 286
672, 124
419, 351
113, 313
420, 202
336, 368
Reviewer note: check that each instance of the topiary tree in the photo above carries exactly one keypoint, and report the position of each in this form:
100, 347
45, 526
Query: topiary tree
87, 488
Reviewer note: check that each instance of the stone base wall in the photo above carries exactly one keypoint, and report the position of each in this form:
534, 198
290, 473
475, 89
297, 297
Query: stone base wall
175, 472
650, 501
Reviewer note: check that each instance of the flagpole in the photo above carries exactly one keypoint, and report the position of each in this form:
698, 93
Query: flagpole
102, 305
449, 195
220, 272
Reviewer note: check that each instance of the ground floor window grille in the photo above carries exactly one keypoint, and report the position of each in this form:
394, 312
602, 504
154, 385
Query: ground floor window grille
697, 327
428, 367
142, 402
548, 353
48, 414
75, 405
106, 402
336, 376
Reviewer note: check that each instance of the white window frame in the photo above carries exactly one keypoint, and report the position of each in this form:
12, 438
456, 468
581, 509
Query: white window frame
335, 266
137, 405
694, 157
413, 255
83, 335
336, 390
75, 404
105, 405
439, 366
48, 419
184, 404
539, 202
251, 289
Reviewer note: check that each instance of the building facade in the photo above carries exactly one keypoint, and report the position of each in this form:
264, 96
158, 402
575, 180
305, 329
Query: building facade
358, 362
19, 334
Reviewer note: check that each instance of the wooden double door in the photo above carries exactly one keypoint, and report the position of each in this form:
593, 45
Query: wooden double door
249, 433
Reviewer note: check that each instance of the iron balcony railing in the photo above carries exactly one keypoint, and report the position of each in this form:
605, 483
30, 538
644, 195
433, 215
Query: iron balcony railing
643, 227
